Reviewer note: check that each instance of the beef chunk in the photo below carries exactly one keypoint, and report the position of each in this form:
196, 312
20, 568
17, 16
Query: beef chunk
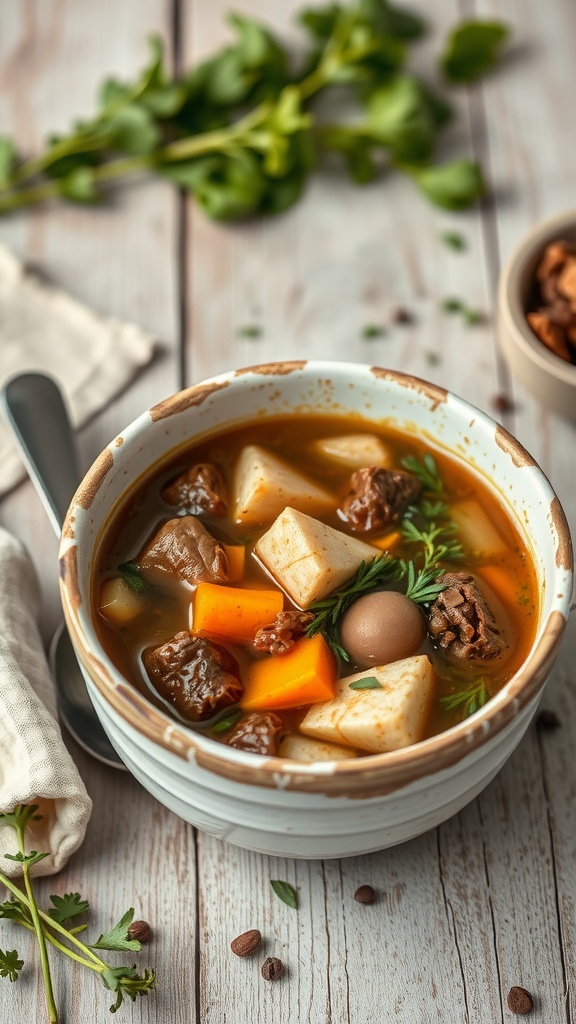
258, 733
549, 333
197, 676
185, 548
461, 620
377, 498
286, 629
200, 489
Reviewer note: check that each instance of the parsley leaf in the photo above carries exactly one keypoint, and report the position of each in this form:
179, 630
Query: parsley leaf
472, 49
118, 938
454, 240
454, 186
285, 892
67, 906
10, 965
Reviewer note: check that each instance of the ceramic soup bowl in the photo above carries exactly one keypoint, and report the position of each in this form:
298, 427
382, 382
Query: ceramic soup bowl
327, 809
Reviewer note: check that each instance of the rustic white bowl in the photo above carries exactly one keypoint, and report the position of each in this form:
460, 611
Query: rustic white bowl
547, 376
331, 809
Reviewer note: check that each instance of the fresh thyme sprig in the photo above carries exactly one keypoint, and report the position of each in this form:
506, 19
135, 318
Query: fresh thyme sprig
426, 470
328, 613
49, 928
469, 700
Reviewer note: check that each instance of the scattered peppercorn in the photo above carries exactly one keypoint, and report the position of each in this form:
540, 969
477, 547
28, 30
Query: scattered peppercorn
247, 943
402, 316
547, 719
502, 403
365, 894
272, 968
139, 930
519, 1000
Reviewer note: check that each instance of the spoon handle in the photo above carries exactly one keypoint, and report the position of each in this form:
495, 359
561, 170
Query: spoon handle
34, 409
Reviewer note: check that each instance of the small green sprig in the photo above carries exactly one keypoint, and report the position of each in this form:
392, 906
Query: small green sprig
124, 981
328, 613
467, 701
426, 471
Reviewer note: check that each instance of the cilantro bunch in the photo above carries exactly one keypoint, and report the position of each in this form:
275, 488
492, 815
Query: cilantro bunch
239, 131
54, 928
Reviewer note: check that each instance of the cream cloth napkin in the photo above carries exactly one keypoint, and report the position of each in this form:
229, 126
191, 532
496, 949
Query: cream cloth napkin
35, 766
41, 328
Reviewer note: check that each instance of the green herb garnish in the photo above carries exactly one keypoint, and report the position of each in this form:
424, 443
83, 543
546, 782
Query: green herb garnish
426, 470
454, 240
366, 683
371, 331
252, 331
472, 49
131, 577
285, 892
468, 701
452, 305
223, 724
327, 613
238, 131
471, 316
50, 929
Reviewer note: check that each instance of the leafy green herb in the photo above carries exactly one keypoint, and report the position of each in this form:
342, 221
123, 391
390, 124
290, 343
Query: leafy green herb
49, 928
467, 701
223, 724
452, 305
367, 683
285, 892
368, 576
238, 130
426, 470
252, 331
432, 358
10, 964
454, 240
472, 49
131, 577
471, 316
437, 541
371, 331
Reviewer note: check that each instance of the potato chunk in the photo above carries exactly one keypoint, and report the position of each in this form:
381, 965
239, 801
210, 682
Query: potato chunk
263, 485
353, 450
309, 559
118, 603
377, 720
301, 748
476, 530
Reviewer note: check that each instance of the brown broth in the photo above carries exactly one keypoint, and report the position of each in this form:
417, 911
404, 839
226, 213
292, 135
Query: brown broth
169, 600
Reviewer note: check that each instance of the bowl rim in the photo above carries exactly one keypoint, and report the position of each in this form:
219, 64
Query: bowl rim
371, 774
511, 308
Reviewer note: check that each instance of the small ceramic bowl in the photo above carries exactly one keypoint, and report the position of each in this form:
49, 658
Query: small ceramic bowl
330, 809
548, 377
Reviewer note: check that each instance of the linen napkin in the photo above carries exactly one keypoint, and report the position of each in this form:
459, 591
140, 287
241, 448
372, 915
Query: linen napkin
35, 766
44, 329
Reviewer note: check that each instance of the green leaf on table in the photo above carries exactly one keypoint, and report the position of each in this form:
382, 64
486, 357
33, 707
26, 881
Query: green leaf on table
7, 158
399, 22
285, 892
133, 130
125, 981
10, 965
68, 906
226, 187
454, 240
399, 117
13, 910
79, 186
117, 938
366, 683
472, 49
454, 186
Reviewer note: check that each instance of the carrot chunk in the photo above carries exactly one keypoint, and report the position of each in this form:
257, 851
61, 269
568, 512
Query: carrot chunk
236, 555
304, 675
233, 614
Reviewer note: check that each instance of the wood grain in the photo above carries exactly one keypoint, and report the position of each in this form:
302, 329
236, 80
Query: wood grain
488, 900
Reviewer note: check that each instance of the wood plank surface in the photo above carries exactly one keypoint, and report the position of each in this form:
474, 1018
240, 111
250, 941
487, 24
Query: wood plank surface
488, 900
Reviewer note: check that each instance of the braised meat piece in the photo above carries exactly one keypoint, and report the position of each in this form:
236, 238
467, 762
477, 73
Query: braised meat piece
185, 548
258, 733
200, 489
283, 633
461, 620
197, 676
377, 498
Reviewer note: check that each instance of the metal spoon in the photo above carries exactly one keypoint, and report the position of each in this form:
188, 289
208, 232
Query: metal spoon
35, 411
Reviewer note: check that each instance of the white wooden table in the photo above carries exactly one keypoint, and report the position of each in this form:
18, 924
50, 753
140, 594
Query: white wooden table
488, 900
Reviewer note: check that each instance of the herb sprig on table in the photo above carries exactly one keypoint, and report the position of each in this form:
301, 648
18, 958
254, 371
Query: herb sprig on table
239, 131
53, 928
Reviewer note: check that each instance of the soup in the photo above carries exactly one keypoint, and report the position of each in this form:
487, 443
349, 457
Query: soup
315, 588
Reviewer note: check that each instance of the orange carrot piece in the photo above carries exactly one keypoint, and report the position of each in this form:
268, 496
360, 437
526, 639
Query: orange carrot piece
502, 583
387, 542
304, 675
236, 555
233, 614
